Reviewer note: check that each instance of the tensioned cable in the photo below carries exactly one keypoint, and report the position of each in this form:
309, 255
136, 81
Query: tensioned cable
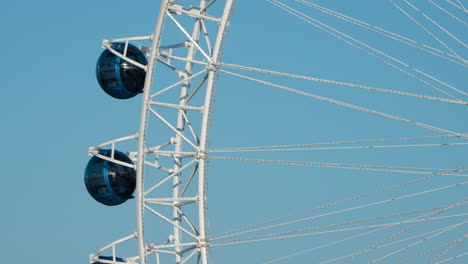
397, 169
448, 13
384, 32
352, 237
333, 213
429, 216
435, 23
376, 29
415, 236
338, 148
391, 243
334, 143
319, 25
461, 4
303, 17
322, 246
362, 109
457, 101
451, 243
342, 240
335, 203
462, 8
416, 243
452, 258
425, 29
331, 243
243, 241
325, 226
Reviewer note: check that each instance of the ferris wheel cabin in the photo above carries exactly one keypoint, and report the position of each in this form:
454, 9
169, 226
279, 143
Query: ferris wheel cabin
108, 182
118, 77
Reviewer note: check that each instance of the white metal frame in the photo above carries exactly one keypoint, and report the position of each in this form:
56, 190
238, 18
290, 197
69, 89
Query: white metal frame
196, 73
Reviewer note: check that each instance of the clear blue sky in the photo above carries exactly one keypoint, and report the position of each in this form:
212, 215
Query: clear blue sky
53, 110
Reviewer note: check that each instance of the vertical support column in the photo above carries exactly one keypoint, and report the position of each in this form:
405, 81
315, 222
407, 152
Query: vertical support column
180, 127
140, 203
179, 141
204, 131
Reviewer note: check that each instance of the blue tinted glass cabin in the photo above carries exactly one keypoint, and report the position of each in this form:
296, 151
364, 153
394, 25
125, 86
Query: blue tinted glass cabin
119, 78
122, 178
110, 183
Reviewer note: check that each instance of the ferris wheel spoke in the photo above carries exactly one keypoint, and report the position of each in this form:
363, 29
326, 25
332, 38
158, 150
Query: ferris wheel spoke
384, 244
418, 242
451, 245
425, 218
452, 258
386, 33
457, 101
379, 203
427, 30
325, 143
245, 229
448, 13
366, 48
425, 252
395, 169
264, 149
346, 210
329, 225
459, 6
435, 23
284, 236
324, 245
362, 109
350, 238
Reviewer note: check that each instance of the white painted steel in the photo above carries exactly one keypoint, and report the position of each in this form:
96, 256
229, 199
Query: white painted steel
187, 239
156, 42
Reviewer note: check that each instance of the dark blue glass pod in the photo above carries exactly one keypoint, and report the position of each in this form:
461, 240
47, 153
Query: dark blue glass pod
119, 78
108, 258
107, 182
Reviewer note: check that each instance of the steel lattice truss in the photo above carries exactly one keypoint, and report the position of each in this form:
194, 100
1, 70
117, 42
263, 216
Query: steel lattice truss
170, 159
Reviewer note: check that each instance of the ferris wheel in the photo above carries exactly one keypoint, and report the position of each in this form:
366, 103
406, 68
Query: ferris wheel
178, 153
167, 174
